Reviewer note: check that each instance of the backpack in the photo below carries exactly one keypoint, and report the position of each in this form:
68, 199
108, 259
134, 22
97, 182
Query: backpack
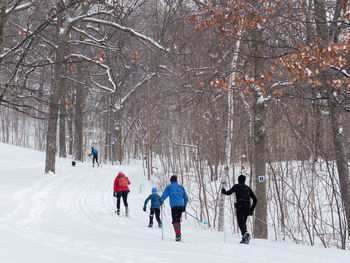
123, 182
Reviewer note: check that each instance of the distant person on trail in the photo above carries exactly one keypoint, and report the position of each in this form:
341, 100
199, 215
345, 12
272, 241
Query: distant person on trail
94, 154
155, 207
178, 201
243, 206
121, 189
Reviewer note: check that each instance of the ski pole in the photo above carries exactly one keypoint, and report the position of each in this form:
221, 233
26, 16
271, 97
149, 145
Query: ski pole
161, 214
205, 222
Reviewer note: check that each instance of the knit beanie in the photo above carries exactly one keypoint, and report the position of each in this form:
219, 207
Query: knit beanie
173, 179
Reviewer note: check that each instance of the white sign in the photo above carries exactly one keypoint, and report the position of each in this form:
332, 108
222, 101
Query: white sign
261, 178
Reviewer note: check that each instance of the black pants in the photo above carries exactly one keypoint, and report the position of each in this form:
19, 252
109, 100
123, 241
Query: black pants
242, 216
123, 194
95, 157
155, 211
176, 213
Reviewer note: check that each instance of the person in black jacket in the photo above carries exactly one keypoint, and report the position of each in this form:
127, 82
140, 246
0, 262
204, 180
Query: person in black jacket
243, 206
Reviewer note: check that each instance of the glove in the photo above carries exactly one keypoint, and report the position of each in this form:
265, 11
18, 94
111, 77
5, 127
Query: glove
251, 211
115, 194
144, 209
223, 191
184, 209
161, 203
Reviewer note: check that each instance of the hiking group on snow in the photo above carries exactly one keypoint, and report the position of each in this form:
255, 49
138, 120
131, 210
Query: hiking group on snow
179, 199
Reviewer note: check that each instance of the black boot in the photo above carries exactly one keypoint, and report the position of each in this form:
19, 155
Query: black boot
246, 238
178, 237
150, 225
177, 229
243, 240
159, 224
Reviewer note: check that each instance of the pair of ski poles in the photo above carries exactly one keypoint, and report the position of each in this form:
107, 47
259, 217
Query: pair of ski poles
162, 213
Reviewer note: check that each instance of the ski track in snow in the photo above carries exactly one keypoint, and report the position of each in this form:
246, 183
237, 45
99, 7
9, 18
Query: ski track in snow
73, 212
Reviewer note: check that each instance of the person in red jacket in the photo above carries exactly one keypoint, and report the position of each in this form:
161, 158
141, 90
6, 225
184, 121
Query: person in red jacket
121, 189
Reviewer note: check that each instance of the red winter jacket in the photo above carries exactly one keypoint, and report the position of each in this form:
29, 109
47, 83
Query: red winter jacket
118, 188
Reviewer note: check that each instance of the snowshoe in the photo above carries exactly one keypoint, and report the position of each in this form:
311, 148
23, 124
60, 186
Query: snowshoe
118, 212
178, 237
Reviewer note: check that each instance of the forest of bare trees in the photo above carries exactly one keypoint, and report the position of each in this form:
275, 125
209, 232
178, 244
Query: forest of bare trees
204, 89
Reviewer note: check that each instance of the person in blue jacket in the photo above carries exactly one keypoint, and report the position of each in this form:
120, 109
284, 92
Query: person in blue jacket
155, 207
94, 154
178, 201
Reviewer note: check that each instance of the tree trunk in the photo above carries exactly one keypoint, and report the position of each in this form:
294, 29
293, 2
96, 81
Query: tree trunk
228, 143
259, 138
53, 113
341, 159
62, 121
259, 167
58, 83
78, 122
335, 111
3, 21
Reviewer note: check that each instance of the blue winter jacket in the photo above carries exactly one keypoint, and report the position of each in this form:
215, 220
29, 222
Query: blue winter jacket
176, 193
94, 152
155, 200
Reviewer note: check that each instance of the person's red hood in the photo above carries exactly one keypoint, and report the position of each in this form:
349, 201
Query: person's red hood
121, 175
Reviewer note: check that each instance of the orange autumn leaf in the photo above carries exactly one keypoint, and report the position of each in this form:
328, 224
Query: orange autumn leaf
101, 55
71, 68
135, 54
21, 32
69, 104
200, 83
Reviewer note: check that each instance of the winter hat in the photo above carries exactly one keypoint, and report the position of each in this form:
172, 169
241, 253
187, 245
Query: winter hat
173, 179
154, 190
241, 179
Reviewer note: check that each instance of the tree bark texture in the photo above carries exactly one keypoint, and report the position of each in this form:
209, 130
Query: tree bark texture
259, 137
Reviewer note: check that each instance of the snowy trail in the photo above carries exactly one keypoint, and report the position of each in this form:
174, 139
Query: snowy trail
70, 217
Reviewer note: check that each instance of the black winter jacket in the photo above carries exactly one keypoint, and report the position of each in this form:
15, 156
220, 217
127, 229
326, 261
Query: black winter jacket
243, 195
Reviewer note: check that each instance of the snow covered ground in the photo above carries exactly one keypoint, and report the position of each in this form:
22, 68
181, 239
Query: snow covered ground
69, 217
